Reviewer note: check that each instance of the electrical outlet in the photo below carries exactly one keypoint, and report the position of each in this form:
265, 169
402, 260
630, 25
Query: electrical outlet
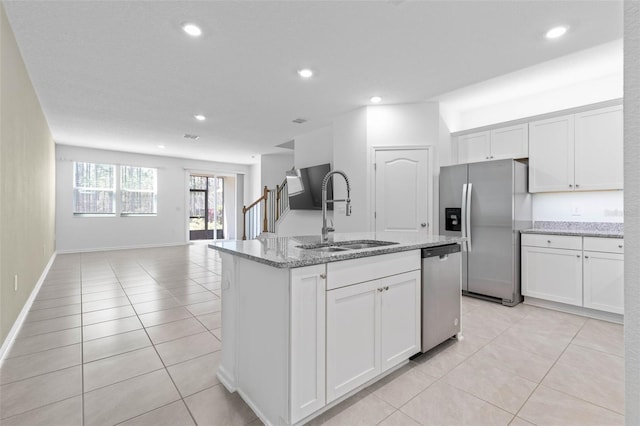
15, 282
576, 210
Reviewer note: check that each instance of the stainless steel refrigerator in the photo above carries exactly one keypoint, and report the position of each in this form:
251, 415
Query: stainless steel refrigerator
487, 203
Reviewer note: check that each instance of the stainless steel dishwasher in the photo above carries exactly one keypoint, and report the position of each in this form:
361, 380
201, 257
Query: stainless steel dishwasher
441, 292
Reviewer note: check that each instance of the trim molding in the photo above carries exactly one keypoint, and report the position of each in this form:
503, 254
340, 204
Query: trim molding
142, 246
8, 341
576, 310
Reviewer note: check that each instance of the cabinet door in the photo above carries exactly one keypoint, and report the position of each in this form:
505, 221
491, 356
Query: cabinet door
551, 154
552, 274
399, 318
510, 142
604, 281
353, 344
307, 341
598, 149
473, 147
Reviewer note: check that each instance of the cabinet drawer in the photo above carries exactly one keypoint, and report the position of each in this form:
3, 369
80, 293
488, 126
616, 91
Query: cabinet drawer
552, 241
347, 272
609, 245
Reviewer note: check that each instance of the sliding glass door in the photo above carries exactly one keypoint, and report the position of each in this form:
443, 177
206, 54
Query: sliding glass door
206, 211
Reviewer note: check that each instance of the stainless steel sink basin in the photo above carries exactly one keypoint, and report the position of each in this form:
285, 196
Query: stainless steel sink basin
345, 245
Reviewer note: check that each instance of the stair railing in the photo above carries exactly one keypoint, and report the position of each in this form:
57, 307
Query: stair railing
262, 215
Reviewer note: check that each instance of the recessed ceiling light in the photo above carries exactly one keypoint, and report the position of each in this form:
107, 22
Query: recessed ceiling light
192, 29
376, 99
305, 73
199, 117
161, 146
556, 32
190, 136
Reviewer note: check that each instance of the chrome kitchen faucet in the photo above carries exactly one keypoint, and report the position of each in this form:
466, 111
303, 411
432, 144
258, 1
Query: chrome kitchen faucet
325, 181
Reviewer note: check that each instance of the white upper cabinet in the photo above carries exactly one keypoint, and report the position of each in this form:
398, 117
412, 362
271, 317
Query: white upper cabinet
510, 142
598, 149
577, 152
494, 144
551, 154
474, 147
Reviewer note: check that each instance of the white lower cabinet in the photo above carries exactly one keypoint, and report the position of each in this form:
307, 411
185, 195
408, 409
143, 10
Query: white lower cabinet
604, 281
552, 274
580, 271
371, 327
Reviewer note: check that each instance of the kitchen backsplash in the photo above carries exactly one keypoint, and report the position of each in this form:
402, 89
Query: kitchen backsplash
593, 206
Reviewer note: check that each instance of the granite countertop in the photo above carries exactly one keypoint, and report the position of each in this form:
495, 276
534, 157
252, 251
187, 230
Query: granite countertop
284, 252
581, 229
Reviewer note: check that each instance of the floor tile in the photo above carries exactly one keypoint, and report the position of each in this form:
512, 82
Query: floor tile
517, 421
525, 364
114, 345
23, 367
442, 404
102, 295
46, 293
54, 303
398, 418
437, 363
174, 414
150, 288
370, 410
547, 406
110, 328
107, 371
60, 311
67, 412
402, 385
43, 342
216, 406
34, 328
218, 333
104, 304
501, 388
211, 321
116, 287
196, 374
165, 316
192, 298
125, 400
187, 348
175, 330
150, 296
188, 289
35, 392
205, 307
107, 315
593, 361
546, 343
155, 305
603, 336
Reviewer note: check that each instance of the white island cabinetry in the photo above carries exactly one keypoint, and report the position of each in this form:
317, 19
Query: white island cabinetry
301, 339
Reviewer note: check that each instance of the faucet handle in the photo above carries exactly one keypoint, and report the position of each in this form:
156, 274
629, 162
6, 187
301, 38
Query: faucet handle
330, 229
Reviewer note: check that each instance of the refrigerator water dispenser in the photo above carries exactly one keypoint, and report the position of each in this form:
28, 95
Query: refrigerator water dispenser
453, 220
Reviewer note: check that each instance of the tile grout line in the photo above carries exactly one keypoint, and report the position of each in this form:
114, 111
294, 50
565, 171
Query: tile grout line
82, 341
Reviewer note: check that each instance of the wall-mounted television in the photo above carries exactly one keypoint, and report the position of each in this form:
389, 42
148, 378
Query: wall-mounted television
311, 198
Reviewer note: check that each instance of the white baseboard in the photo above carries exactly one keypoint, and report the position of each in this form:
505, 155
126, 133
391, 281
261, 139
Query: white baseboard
8, 341
142, 246
576, 310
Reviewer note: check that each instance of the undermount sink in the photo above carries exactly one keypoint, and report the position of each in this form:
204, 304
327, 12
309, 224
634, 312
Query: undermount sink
345, 245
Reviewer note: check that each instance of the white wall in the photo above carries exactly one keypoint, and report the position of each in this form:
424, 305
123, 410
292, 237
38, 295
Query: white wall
311, 149
632, 210
592, 206
169, 226
273, 167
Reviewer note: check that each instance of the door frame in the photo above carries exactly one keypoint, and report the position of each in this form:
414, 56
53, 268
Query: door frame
371, 179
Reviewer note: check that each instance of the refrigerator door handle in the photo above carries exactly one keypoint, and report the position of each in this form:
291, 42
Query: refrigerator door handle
463, 219
468, 215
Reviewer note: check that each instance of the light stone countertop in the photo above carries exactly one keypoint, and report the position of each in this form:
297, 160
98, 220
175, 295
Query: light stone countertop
284, 252
580, 229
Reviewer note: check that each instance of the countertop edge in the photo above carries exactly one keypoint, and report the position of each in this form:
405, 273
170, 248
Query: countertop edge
573, 233
352, 254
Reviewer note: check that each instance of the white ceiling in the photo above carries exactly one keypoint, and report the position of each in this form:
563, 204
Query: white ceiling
122, 75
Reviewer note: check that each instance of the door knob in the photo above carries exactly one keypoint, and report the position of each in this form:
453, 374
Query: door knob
423, 224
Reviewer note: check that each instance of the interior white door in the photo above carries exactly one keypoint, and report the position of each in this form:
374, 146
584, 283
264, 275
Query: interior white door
402, 190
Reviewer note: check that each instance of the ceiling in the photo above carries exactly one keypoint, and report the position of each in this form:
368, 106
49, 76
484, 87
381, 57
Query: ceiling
122, 75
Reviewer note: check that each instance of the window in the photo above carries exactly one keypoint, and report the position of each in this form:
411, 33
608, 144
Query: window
138, 190
94, 189
104, 189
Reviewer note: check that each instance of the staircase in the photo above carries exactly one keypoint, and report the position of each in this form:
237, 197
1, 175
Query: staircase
262, 215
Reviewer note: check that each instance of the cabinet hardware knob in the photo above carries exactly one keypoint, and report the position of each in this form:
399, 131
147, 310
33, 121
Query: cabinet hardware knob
577, 255
577, 186
423, 224
548, 241
386, 288
491, 156
380, 289
620, 246
486, 158
570, 186
586, 257
323, 276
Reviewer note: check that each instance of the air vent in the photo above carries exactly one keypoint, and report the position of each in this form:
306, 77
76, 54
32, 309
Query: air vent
299, 120
192, 137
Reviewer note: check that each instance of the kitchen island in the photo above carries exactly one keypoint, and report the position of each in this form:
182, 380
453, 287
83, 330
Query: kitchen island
306, 324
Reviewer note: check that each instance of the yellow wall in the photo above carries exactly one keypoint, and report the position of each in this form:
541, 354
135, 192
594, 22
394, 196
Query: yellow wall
27, 182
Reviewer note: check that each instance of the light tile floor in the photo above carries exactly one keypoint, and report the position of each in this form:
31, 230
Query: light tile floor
133, 337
